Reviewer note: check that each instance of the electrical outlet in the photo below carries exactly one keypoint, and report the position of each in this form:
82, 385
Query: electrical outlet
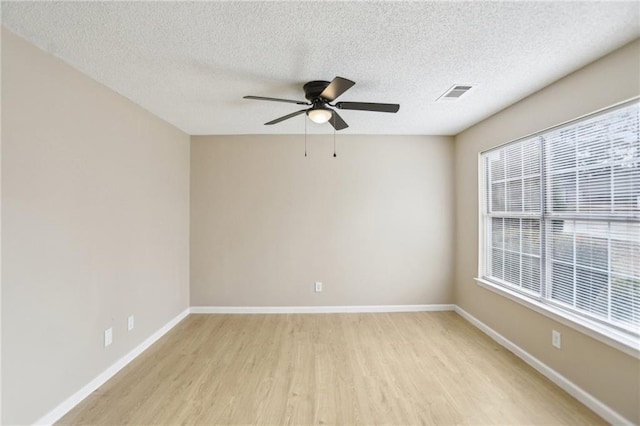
130, 323
318, 286
108, 336
556, 339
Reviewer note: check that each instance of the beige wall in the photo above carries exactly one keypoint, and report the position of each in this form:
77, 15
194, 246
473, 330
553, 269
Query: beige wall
0, 238
606, 373
95, 197
374, 225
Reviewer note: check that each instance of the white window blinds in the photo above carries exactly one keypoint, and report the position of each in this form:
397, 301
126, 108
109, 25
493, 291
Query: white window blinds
562, 217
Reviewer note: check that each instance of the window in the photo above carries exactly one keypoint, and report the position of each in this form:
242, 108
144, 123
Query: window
561, 218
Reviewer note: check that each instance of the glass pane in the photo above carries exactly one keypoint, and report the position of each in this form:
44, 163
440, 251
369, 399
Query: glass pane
497, 165
592, 251
512, 268
531, 236
497, 232
514, 160
594, 193
625, 140
512, 234
498, 197
531, 157
562, 283
591, 291
561, 149
562, 240
531, 273
514, 195
593, 144
626, 187
625, 249
497, 261
625, 300
624, 130
563, 192
532, 194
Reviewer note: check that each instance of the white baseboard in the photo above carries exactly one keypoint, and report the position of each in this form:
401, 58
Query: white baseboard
571, 388
317, 309
66, 406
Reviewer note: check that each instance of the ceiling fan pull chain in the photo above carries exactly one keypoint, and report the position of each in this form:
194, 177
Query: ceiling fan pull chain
305, 136
334, 135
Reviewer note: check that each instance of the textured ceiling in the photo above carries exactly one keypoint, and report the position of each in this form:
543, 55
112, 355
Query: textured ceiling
190, 63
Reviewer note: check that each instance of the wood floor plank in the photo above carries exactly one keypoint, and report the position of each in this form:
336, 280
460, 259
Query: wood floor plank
343, 369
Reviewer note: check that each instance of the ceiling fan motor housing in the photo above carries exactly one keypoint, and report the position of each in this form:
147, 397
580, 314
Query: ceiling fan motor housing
313, 89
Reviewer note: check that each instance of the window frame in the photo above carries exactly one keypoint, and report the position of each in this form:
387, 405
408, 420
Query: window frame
598, 330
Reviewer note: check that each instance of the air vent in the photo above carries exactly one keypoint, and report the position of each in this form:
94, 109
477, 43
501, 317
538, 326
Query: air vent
454, 92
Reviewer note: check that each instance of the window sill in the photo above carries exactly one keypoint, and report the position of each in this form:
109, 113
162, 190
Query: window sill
620, 341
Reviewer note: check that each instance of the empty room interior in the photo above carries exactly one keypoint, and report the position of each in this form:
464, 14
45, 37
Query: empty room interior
403, 213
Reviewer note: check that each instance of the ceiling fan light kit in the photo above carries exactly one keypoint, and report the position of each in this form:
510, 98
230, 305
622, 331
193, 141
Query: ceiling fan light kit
319, 95
319, 115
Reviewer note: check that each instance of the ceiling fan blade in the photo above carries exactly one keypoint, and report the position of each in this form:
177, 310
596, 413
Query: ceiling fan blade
336, 88
367, 106
337, 122
262, 98
286, 117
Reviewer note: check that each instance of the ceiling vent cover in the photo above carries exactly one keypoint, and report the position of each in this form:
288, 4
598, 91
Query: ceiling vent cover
454, 92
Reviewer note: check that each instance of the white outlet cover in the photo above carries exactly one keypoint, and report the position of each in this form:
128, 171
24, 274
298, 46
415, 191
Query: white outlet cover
108, 336
556, 339
318, 286
130, 323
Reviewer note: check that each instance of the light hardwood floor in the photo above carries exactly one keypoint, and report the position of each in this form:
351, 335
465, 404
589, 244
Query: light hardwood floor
388, 368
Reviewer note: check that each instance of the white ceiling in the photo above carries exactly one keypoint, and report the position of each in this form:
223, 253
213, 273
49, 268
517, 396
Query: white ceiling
190, 63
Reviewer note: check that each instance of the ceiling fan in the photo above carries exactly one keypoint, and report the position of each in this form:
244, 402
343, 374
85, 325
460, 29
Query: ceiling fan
319, 96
